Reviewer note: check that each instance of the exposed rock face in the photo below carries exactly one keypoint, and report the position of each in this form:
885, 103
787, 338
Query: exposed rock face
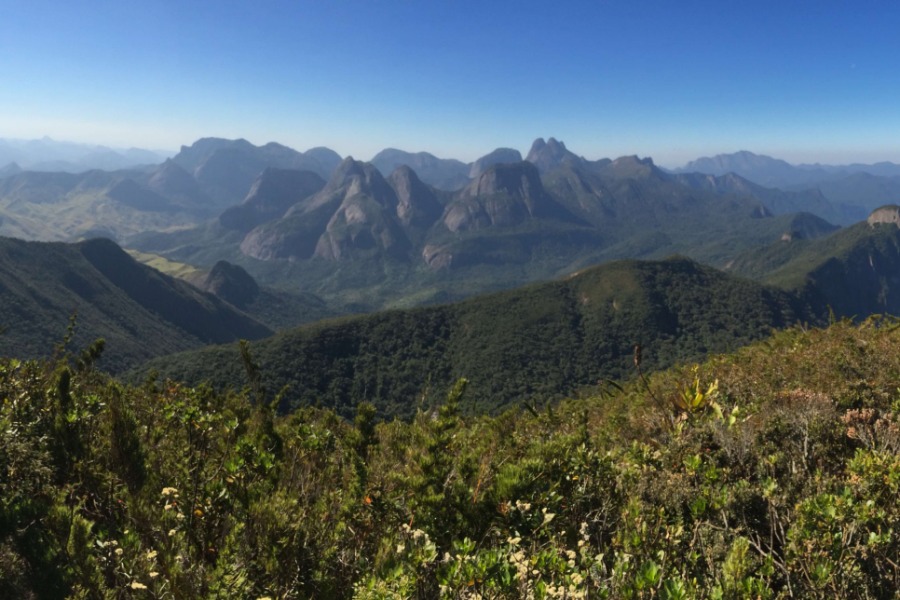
885, 214
355, 214
272, 194
232, 284
503, 195
417, 204
551, 154
497, 157
365, 220
360, 226
437, 257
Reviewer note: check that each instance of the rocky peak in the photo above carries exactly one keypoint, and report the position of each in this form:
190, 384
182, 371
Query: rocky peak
505, 194
353, 177
498, 156
551, 154
231, 283
416, 202
519, 180
889, 214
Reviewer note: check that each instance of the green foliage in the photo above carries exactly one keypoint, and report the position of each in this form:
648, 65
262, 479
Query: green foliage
138, 312
532, 345
777, 478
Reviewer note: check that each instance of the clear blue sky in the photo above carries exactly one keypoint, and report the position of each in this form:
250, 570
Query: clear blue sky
804, 81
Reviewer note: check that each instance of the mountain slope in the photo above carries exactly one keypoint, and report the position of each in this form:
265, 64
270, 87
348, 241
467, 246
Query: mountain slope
533, 343
375, 242
442, 173
140, 312
226, 169
272, 194
778, 201
64, 206
854, 272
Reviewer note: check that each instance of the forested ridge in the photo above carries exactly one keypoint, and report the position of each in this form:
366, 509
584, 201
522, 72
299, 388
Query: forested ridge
534, 344
772, 472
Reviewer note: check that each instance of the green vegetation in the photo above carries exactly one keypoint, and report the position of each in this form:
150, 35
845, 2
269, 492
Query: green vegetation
164, 265
851, 272
140, 312
769, 473
534, 344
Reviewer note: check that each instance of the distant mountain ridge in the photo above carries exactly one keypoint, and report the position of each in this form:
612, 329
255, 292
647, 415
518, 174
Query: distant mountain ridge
372, 239
50, 155
852, 190
348, 231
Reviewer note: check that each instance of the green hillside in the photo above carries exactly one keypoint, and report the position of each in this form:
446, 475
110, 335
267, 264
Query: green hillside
139, 312
854, 272
532, 344
769, 473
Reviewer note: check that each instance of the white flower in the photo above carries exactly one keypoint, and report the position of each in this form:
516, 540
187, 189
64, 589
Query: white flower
137, 585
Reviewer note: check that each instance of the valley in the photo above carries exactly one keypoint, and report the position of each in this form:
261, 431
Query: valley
267, 243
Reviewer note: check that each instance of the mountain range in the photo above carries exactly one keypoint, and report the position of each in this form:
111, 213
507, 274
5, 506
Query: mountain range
377, 240
546, 340
206, 178
51, 155
852, 190
281, 238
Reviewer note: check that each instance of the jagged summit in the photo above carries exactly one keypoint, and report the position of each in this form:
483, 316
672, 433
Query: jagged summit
503, 195
353, 177
551, 154
417, 204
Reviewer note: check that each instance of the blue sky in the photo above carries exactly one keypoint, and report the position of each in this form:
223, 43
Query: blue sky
804, 81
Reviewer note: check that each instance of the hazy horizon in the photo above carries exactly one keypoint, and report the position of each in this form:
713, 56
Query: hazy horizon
804, 82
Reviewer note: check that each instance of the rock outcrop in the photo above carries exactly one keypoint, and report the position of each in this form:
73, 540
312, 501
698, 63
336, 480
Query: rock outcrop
889, 214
